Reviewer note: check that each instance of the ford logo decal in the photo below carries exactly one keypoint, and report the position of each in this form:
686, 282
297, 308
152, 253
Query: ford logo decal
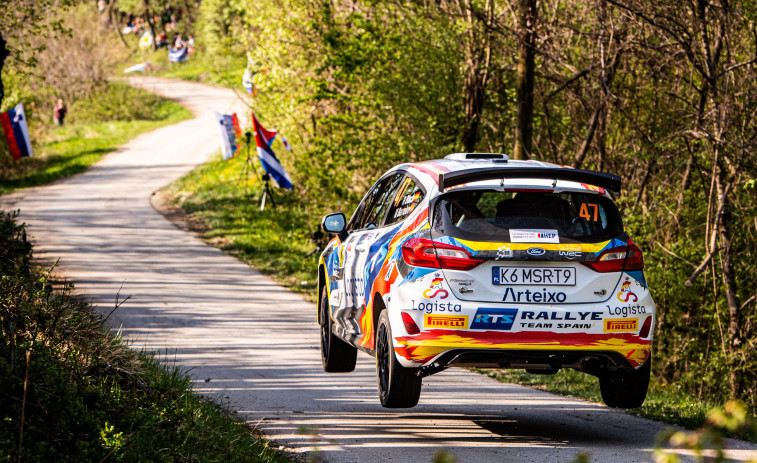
536, 252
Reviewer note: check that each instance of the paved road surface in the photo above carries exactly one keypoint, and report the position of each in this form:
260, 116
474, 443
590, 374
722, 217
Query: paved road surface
258, 343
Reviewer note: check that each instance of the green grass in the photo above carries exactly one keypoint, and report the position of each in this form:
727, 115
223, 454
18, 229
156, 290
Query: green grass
663, 403
275, 240
71, 149
70, 390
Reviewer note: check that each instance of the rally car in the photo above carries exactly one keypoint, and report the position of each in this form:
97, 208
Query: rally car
476, 260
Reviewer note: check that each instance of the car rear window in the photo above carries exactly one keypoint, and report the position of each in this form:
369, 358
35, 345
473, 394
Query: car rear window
509, 216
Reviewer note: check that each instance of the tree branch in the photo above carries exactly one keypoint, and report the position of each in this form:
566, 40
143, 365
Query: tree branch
675, 255
714, 250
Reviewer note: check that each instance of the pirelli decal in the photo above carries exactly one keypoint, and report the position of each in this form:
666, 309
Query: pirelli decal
617, 325
445, 321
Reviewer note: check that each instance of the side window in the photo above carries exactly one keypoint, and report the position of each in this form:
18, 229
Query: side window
375, 214
408, 197
360, 216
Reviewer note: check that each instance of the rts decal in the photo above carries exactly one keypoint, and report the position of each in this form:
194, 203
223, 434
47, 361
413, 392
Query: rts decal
494, 319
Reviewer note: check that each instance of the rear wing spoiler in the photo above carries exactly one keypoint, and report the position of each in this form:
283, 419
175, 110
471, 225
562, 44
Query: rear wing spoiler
591, 177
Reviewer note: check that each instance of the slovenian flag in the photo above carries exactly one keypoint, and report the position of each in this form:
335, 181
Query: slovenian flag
269, 161
16, 132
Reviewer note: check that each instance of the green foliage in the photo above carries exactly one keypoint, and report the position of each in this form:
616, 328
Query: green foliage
79, 394
21, 21
219, 25
706, 443
15, 251
122, 103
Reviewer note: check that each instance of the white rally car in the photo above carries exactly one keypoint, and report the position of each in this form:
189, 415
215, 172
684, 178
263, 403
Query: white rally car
475, 260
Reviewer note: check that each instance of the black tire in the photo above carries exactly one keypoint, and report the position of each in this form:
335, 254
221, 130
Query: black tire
337, 356
398, 387
625, 389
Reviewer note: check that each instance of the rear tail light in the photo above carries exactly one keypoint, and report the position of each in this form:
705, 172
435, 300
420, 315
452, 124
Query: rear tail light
623, 258
409, 323
645, 328
420, 252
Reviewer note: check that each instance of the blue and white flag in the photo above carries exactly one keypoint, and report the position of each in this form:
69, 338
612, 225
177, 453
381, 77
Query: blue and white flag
16, 132
141, 67
228, 136
247, 80
286, 143
268, 159
177, 55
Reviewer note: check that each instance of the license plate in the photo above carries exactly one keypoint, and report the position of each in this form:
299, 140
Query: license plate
550, 276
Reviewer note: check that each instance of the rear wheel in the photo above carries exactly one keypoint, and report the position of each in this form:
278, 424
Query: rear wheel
337, 355
625, 389
398, 387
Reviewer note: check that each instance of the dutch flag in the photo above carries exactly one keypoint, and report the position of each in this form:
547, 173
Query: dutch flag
269, 161
16, 132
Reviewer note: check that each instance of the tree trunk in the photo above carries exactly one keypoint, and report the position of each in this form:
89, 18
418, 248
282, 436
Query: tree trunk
474, 103
151, 23
524, 92
478, 58
3, 54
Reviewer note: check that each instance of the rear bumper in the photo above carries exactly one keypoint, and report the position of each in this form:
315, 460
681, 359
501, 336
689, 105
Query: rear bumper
589, 361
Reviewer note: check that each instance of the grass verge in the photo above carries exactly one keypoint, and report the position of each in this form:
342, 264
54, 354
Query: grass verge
98, 125
72, 391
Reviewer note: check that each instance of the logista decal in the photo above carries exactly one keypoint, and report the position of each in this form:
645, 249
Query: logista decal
430, 307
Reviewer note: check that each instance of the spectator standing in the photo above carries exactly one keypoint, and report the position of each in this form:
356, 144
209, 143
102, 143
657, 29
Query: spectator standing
179, 42
59, 112
162, 40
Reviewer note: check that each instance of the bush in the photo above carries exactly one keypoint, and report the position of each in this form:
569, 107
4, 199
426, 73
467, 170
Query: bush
118, 102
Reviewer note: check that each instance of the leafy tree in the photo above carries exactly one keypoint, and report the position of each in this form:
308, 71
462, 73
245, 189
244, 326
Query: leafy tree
20, 21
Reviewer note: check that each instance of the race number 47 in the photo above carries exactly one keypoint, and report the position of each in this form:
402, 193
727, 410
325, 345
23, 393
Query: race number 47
584, 212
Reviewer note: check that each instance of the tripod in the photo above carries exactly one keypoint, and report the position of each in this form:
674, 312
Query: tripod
267, 192
248, 166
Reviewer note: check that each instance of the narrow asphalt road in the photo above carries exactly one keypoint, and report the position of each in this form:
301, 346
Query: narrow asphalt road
257, 343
